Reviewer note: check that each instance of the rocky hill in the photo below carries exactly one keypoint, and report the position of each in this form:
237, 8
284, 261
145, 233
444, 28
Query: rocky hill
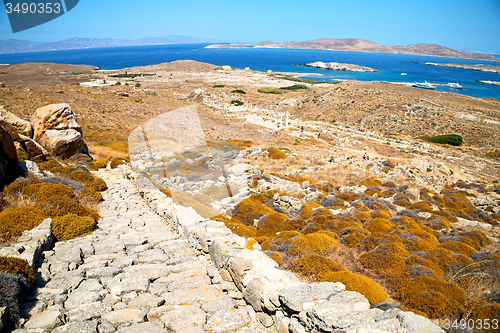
362, 45
268, 183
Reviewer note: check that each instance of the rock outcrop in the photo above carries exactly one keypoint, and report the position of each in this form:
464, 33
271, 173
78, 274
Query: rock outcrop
35, 151
339, 66
13, 123
8, 155
56, 129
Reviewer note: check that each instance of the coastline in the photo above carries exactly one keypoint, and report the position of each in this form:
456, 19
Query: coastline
337, 50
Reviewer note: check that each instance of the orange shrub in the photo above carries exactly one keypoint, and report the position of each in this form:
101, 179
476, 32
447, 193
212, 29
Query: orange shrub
315, 243
379, 225
355, 282
316, 266
307, 210
45, 191
249, 210
385, 259
271, 224
71, 226
13, 221
276, 153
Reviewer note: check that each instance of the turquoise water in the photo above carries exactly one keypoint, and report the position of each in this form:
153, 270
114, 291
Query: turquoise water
389, 65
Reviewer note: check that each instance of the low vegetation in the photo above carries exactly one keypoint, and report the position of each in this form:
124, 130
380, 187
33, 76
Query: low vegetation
377, 251
269, 91
132, 75
295, 87
448, 139
238, 91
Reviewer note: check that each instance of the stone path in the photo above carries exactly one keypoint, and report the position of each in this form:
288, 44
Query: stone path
133, 274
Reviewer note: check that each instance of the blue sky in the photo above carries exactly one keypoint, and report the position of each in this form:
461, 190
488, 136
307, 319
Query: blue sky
460, 24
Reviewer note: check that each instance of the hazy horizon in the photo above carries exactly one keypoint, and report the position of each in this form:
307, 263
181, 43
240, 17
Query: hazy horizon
458, 24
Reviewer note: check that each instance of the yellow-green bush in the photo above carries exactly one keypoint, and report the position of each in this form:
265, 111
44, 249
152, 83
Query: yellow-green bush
15, 187
307, 210
99, 185
45, 191
432, 296
315, 243
249, 210
371, 182
18, 266
63, 206
71, 226
355, 282
96, 165
271, 224
13, 221
379, 225
316, 266
480, 310
82, 177
276, 153
458, 247
385, 259
115, 162
433, 303
89, 195
353, 236
476, 239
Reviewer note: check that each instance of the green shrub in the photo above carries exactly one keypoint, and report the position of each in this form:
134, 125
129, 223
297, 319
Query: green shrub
71, 226
18, 266
219, 86
449, 139
238, 91
295, 87
118, 83
236, 102
137, 85
269, 91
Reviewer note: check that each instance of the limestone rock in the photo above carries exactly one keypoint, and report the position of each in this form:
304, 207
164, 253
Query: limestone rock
141, 328
57, 117
13, 123
78, 327
328, 314
35, 151
56, 129
297, 298
184, 318
48, 320
65, 143
124, 317
228, 321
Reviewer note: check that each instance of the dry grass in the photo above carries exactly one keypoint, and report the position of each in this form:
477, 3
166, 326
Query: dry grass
106, 153
477, 282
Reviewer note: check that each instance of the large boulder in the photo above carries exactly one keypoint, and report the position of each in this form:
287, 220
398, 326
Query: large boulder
35, 151
13, 123
8, 156
56, 129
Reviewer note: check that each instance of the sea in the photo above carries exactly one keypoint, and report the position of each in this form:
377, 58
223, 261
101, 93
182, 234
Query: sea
389, 65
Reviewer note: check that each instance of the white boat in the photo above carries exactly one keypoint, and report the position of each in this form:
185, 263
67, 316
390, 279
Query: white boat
403, 70
454, 85
424, 85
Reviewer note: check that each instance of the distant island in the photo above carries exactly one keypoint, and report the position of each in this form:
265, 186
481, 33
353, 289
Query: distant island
336, 66
24, 46
481, 68
361, 45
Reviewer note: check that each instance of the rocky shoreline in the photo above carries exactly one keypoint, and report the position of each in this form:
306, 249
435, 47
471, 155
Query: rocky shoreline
481, 68
336, 66
495, 83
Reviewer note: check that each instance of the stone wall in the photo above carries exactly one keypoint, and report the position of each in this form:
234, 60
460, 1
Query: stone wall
279, 298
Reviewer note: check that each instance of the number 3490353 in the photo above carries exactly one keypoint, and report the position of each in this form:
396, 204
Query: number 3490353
40, 8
